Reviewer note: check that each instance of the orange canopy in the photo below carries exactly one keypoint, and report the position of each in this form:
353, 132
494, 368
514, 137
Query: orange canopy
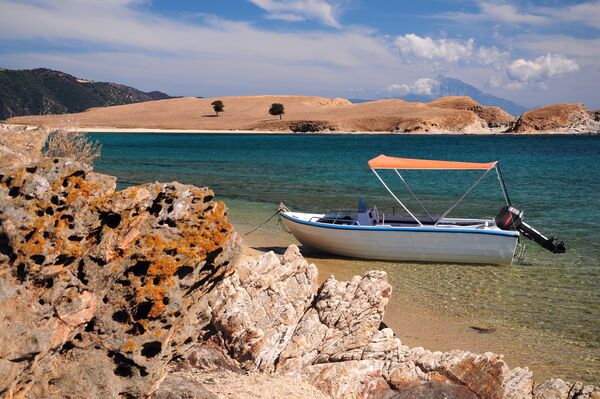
385, 162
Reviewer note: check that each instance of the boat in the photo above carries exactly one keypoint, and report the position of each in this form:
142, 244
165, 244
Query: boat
369, 234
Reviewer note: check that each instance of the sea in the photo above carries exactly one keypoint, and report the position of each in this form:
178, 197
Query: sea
547, 305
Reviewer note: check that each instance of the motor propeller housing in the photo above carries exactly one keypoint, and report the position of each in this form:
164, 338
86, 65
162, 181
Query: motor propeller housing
510, 218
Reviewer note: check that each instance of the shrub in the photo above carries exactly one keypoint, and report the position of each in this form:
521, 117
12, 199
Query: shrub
311, 126
73, 145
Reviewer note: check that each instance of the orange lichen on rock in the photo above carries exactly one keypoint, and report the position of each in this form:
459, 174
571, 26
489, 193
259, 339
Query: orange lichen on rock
129, 346
145, 257
163, 267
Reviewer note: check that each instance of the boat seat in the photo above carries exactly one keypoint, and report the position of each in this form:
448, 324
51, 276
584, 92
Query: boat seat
396, 219
337, 220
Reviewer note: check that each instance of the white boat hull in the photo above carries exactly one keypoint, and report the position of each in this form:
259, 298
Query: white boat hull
420, 244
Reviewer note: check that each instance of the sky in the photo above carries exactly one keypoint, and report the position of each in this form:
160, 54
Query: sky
533, 52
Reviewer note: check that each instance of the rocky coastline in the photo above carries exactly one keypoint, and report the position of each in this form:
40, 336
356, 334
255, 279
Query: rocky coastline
146, 292
311, 114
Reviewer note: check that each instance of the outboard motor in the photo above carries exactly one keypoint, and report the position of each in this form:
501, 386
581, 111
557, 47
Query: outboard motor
511, 218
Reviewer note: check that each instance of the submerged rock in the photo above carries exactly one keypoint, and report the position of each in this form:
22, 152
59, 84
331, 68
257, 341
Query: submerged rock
101, 289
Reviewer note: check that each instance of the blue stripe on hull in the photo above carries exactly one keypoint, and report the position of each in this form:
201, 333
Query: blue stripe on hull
413, 229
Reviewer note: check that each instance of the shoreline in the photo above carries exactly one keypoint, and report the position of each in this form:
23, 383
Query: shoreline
143, 130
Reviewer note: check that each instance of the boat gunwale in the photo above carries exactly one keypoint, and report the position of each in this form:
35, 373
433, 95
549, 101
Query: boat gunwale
399, 229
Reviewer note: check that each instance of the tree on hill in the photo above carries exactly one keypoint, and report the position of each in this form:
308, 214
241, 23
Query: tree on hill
218, 106
277, 109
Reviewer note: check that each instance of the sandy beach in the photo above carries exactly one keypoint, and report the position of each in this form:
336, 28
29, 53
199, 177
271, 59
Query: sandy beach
142, 130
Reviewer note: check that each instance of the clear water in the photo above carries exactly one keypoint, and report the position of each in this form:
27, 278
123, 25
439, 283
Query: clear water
551, 303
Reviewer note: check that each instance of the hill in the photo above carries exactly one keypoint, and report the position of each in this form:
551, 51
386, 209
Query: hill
44, 91
455, 87
302, 114
558, 118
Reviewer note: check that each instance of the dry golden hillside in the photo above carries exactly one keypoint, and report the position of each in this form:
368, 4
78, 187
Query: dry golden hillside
494, 116
302, 113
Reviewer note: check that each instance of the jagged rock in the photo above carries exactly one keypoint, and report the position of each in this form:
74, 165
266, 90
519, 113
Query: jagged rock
433, 390
260, 304
208, 356
20, 146
348, 379
486, 375
177, 386
582, 391
101, 289
340, 324
552, 389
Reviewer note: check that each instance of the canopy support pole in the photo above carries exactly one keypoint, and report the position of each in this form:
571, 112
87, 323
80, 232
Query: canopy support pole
462, 198
396, 198
503, 185
413, 194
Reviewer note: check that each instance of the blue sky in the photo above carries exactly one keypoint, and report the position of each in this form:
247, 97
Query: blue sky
533, 52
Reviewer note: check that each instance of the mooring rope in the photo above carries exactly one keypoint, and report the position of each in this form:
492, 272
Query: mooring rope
282, 208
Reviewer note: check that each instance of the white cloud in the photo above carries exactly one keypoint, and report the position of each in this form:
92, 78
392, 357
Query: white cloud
449, 50
206, 56
585, 50
298, 10
422, 86
541, 68
512, 14
587, 13
491, 56
122, 28
434, 49
504, 12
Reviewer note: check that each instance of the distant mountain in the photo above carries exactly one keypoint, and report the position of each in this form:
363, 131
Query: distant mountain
455, 87
44, 91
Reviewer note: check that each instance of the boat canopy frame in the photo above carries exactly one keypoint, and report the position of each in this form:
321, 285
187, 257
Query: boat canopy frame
385, 162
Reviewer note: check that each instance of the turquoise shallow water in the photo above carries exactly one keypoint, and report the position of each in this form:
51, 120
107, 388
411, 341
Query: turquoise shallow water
551, 303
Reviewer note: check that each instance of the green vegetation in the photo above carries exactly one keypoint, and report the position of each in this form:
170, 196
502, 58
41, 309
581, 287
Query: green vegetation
218, 106
277, 109
44, 91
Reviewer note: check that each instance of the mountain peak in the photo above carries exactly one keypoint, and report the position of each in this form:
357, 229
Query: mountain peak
447, 86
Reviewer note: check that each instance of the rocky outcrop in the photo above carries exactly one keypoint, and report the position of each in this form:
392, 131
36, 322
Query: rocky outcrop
492, 117
20, 146
558, 118
101, 289
296, 126
259, 306
207, 372
336, 339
